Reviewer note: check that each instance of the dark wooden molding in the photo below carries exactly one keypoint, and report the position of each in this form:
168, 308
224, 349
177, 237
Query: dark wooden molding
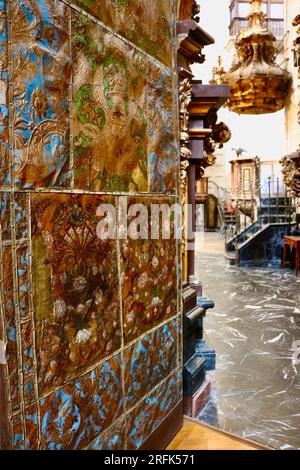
166, 431
207, 97
191, 28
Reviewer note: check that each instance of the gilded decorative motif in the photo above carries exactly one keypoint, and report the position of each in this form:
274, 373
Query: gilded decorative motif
149, 361
41, 77
219, 136
110, 126
75, 287
149, 25
73, 416
185, 97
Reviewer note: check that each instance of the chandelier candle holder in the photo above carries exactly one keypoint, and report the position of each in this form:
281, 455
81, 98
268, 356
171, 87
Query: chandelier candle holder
258, 85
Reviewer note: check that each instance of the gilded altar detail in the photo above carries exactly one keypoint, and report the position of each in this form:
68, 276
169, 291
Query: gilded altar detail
185, 97
258, 85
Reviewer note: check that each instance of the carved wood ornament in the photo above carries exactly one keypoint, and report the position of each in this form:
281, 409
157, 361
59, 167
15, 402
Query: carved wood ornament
296, 51
185, 97
291, 163
291, 172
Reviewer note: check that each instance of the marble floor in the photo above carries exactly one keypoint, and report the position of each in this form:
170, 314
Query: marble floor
253, 328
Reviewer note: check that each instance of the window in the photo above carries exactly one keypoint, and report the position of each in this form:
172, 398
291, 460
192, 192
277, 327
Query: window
276, 10
264, 8
270, 8
246, 182
244, 9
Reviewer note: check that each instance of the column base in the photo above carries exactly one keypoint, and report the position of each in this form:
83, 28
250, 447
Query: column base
195, 404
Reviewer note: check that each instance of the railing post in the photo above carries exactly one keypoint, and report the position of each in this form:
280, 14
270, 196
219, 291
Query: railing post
269, 182
237, 222
277, 201
259, 203
252, 204
286, 204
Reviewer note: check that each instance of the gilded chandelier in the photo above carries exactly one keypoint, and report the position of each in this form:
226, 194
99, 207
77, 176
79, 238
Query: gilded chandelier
258, 85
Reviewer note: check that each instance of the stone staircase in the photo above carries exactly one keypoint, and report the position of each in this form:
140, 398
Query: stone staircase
249, 247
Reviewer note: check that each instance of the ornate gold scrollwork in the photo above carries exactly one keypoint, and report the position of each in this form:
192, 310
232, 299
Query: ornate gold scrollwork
291, 173
185, 97
219, 136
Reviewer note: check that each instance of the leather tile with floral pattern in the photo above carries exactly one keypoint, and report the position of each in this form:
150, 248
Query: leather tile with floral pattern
5, 215
149, 25
149, 274
112, 439
75, 287
41, 77
149, 361
73, 416
110, 125
103, 10
10, 326
4, 132
18, 437
146, 417
162, 145
25, 431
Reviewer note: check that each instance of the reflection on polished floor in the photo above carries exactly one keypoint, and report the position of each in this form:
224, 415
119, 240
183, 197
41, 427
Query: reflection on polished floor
253, 328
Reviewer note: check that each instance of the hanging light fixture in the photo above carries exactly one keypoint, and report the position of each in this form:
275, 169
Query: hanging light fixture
258, 85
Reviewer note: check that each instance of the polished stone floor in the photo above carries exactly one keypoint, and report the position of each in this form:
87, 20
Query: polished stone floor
253, 328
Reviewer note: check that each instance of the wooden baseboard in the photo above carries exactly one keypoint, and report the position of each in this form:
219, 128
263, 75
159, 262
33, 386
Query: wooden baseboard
160, 438
4, 437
